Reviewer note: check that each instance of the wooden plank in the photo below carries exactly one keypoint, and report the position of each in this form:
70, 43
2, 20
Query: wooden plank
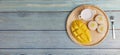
33, 21
59, 52
32, 0
54, 5
49, 39
40, 20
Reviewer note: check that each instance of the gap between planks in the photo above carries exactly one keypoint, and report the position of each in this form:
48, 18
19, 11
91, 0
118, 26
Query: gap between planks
48, 11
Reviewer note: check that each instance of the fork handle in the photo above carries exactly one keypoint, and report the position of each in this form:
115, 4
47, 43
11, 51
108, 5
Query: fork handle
113, 31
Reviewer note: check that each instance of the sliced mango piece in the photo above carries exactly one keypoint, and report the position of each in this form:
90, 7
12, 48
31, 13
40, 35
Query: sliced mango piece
80, 32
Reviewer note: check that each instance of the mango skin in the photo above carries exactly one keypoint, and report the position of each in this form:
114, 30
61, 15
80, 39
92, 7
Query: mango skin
80, 32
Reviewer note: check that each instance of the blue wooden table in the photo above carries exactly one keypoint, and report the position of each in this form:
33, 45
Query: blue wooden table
37, 27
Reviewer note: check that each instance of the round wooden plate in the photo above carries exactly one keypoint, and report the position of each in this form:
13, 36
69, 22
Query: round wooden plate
96, 36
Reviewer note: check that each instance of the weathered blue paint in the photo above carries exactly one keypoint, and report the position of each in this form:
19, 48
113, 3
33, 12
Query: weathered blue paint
37, 27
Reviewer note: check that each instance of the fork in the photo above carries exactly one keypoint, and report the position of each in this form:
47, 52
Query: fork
113, 28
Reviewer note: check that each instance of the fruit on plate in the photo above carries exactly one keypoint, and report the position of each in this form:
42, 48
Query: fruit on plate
99, 19
87, 14
101, 29
80, 32
92, 25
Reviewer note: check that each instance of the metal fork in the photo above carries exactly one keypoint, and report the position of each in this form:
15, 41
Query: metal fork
113, 28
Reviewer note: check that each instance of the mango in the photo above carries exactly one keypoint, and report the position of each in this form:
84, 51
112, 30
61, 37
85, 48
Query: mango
81, 32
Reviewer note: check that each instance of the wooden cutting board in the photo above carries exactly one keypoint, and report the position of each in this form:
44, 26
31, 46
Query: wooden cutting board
96, 37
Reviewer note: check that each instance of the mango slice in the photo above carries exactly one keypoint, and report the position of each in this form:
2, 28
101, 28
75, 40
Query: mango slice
80, 32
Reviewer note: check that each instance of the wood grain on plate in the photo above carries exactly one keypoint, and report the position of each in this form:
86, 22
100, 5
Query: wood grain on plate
96, 37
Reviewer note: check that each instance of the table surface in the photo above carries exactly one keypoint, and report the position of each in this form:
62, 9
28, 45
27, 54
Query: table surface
37, 27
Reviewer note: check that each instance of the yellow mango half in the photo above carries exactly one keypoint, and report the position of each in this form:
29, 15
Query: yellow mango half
80, 32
